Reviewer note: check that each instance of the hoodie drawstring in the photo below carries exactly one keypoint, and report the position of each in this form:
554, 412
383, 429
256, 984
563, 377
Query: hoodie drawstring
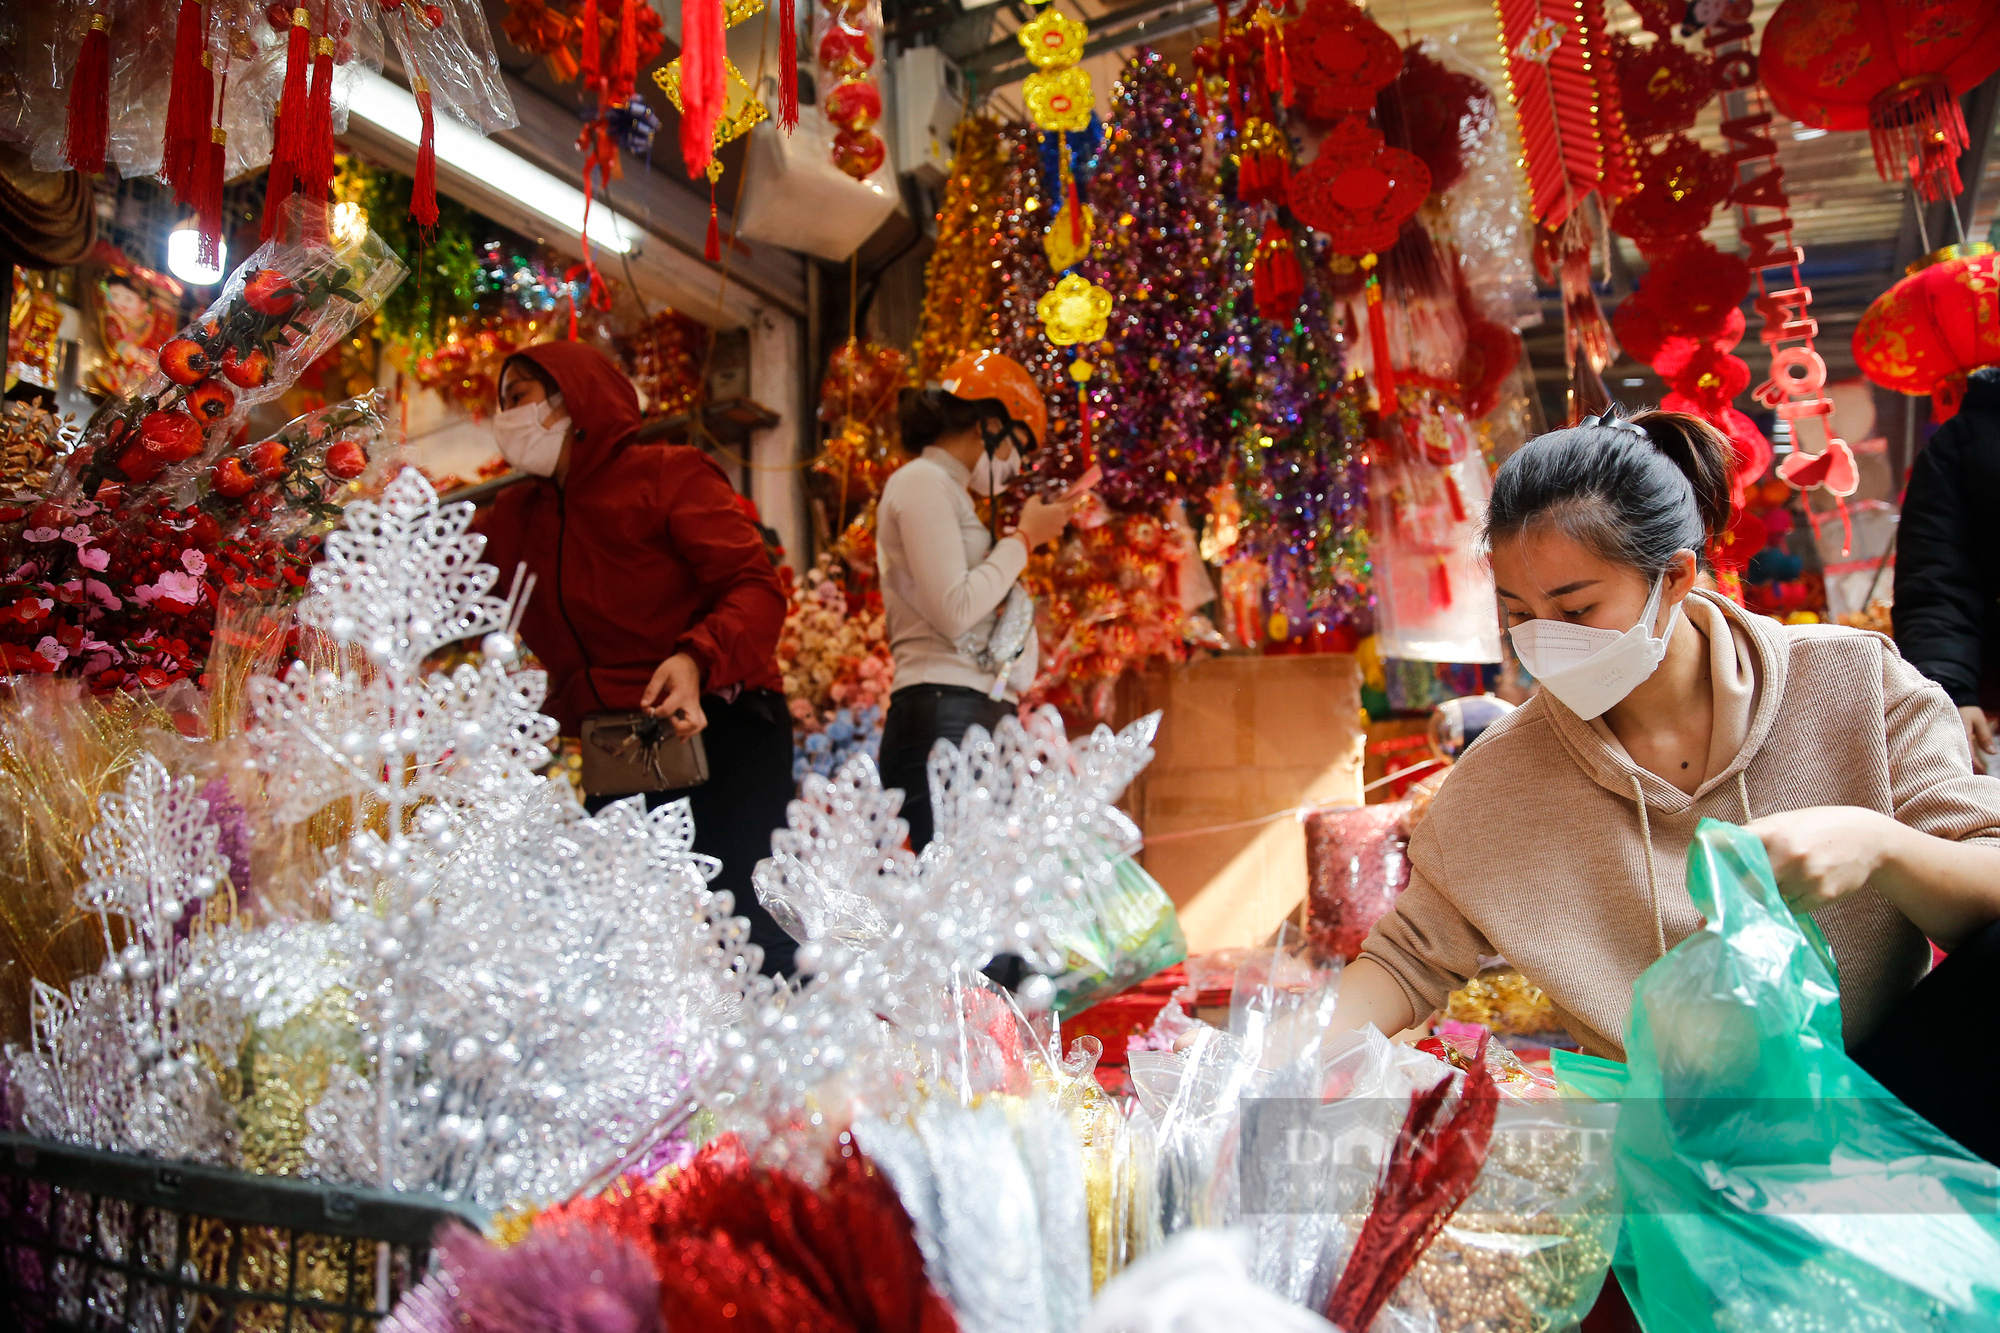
1652, 874
1743, 793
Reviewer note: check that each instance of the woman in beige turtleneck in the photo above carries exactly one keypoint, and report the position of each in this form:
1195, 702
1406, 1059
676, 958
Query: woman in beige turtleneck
1560, 839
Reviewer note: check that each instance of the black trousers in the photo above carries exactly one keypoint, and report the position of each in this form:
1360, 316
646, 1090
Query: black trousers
1921, 1052
919, 717
749, 744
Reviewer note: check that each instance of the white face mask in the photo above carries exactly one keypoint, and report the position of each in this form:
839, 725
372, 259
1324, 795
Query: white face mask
531, 436
991, 474
1590, 670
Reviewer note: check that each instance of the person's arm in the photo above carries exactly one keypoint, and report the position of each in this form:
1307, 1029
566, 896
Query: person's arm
738, 636
1370, 993
1937, 607
946, 592
1416, 955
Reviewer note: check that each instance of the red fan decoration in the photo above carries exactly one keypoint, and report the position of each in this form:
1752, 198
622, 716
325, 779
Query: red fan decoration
1551, 81
742, 1249
1681, 184
1439, 113
1895, 68
1340, 59
1661, 87
1431, 1170
1359, 191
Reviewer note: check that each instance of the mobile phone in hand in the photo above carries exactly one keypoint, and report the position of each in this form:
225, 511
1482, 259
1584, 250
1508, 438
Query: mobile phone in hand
1088, 480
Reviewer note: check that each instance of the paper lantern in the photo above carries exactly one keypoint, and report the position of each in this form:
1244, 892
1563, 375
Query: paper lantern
1936, 326
1892, 67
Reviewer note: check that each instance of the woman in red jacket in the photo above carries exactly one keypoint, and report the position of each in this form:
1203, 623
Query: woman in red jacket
653, 591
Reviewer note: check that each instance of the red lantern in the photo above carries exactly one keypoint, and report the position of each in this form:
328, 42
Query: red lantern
1932, 329
1892, 67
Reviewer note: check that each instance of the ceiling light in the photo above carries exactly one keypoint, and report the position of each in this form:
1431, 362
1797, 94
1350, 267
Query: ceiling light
394, 111
184, 257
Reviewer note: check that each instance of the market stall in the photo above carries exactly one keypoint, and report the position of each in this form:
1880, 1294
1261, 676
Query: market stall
325, 1001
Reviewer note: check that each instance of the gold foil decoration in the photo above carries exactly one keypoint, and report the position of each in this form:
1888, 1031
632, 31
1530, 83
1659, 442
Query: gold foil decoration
742, 110
1059, 99
1061, 245
1075, 310
1053, 41
1502, 999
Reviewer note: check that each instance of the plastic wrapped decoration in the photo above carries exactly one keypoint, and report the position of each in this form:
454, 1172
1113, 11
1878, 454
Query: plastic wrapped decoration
1355, 867
847, 39
1429, 487
1763, 1169
1486, 218
295, 481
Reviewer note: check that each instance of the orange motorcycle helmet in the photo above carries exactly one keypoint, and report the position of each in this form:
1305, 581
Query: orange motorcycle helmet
978, 376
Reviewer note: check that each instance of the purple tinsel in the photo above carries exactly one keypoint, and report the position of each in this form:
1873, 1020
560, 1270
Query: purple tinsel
562, 1279
235, 838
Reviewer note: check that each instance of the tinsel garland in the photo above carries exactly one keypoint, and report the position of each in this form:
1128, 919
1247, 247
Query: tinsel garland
962, 282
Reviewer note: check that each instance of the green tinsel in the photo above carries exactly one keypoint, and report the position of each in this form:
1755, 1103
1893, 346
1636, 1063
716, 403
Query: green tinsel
447, 280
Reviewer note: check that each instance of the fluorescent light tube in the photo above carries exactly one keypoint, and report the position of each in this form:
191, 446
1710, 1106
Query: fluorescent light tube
394, 111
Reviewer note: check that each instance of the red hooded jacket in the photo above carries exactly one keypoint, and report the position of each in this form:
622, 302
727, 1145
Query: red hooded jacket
642, 553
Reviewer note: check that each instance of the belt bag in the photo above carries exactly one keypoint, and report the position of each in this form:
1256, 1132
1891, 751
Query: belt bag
625, 753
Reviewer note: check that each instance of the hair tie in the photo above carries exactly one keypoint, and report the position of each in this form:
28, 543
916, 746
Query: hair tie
1611, 421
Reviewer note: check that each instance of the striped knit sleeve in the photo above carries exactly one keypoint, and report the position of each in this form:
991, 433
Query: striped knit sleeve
1930, 768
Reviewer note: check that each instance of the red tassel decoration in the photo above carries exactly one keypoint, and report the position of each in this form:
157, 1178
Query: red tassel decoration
278, 183
1378, 342
625, 69
788, 66
712, 250
588, 39
207, 198
90, 100
289, 144
423, 194
1084, 444
188, 98
315, 169
703, 90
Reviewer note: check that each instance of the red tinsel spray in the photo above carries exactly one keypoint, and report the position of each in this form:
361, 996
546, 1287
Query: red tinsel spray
288, 145
90, 100
188, 100
703, 89
788, 66
423, 193
1431, 1170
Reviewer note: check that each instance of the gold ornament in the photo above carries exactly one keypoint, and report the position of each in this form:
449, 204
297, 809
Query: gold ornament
1081, 370
741, 110
1059, 99
1062, 245
736, 11
1053, 41
1074, 311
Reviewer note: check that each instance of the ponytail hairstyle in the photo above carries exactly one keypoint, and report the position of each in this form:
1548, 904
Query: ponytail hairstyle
929, 415
1631, 491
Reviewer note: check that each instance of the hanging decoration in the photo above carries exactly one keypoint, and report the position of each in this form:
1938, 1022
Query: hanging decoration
1441, 114
847, 37
1895, 68
739, 109
1941, 322
1561, 91
663, 356
1339, 59
1359, 191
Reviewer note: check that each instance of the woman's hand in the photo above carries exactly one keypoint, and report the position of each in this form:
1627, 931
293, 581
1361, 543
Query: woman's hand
1825, 852
1043, 520
674, 693
1978, 734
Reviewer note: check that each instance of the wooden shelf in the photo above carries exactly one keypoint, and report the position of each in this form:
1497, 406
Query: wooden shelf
730, 421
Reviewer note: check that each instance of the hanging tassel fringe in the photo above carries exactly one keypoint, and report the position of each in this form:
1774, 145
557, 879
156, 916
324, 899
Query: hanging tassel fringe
289, 144
788, 66
1378, 344
589, 39
625, 69
711, 250
188, 98
90, 100
315, 171
1918, 131
423, 194
703, 90
1071, 204
278, 183
207, 201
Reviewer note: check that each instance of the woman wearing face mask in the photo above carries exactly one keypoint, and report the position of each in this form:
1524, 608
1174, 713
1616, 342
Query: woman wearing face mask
945, 580
652, 591
1559, 840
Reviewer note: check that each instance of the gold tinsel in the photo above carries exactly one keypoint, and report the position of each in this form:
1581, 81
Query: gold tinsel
963, 280
1502, 999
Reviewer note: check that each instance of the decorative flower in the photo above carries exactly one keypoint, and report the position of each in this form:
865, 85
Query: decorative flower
1053, 41
1074, 311
93, 557
172, 589
1059, 99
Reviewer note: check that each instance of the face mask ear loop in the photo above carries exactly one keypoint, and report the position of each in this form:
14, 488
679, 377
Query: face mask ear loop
991, 438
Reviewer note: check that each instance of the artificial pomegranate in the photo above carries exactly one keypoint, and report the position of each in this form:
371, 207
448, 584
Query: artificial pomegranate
138, 465
229, 478
171, 437
269, 292
267, 460
246, 372
346, 460
211, 401
184, 362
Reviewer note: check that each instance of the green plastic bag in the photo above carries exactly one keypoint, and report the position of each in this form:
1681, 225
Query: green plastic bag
1769, 1182
1127, 932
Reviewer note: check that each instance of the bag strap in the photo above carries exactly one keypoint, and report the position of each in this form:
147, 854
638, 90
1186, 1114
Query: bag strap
562, 603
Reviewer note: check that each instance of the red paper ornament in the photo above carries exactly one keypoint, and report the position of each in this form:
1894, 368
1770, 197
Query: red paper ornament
1340, 59
1712, 378
1892, 67
1438, 113
1359, 191
1693, 288
1492, 350
859, 153
1929, 331
1661, 87
1681, 184
855, 104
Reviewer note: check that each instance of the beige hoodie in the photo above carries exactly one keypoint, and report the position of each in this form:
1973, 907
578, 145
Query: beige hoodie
1536, 847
